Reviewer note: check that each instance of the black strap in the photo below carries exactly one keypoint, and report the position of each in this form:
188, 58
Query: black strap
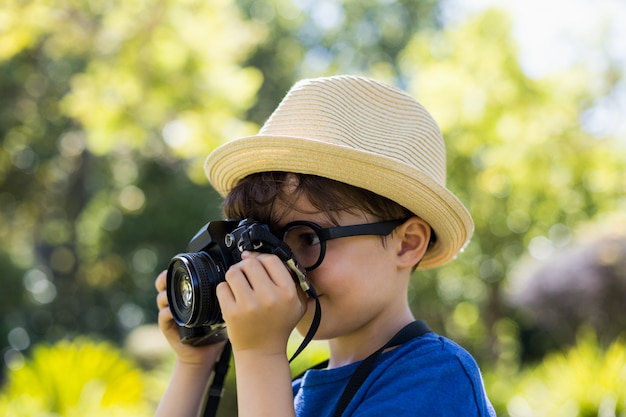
216, 390
409, 332
315, 324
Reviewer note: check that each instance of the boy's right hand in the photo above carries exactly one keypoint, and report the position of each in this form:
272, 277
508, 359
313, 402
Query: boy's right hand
200, 356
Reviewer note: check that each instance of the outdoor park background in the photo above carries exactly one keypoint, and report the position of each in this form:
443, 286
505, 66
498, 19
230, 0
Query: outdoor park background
108, 109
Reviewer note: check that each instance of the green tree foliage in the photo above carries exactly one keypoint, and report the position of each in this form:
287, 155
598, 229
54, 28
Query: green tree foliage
585, 380
109, 109
517, 155
312, 38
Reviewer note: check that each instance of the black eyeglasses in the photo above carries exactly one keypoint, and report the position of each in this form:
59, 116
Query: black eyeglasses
307, 240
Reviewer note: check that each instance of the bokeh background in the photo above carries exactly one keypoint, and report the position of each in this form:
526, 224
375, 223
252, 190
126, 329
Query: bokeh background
108, 109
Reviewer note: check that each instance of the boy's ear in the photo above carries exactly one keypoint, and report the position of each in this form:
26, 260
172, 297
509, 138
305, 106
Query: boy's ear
413, 235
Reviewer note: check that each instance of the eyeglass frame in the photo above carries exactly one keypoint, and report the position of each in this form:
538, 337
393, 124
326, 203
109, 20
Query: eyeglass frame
325, 234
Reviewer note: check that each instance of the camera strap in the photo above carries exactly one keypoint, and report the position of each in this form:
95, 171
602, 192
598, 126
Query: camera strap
411, 331
216, 390
317, 317
407, 333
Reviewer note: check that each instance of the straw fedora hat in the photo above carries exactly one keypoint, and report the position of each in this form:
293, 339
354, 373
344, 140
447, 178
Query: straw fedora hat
361, 132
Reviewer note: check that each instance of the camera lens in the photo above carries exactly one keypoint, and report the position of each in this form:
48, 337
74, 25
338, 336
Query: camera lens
186, 291
191, 282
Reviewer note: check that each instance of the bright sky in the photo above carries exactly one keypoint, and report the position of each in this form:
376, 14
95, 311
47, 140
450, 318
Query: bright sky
555, 34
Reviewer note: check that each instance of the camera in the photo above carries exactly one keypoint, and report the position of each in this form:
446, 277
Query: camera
192, 277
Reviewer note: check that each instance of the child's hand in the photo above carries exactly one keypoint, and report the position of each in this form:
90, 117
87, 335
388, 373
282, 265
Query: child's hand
260, 304
203, 356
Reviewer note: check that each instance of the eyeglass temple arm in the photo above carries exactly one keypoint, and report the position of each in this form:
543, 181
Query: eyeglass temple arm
379, 229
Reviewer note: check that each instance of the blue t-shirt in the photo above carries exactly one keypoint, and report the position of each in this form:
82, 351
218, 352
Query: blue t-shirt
427, 376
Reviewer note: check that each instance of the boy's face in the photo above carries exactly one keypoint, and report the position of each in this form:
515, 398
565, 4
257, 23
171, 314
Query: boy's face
358, 282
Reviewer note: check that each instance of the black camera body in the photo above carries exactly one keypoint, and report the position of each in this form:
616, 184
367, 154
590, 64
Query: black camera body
192, 277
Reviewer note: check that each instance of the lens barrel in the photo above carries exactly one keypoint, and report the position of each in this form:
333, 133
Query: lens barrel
191, 282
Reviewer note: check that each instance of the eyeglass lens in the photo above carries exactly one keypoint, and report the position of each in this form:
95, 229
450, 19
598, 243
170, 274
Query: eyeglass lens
305, 244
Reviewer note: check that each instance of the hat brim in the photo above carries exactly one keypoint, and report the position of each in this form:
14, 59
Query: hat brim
411, 188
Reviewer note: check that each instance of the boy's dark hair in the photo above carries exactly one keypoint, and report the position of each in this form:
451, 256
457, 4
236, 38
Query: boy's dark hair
255, 195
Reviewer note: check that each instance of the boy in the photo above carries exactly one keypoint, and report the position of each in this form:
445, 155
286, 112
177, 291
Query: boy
338, 151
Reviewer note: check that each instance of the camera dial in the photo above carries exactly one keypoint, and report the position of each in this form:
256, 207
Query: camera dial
229, 240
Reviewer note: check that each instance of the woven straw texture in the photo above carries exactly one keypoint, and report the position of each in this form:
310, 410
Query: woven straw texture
363, 133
